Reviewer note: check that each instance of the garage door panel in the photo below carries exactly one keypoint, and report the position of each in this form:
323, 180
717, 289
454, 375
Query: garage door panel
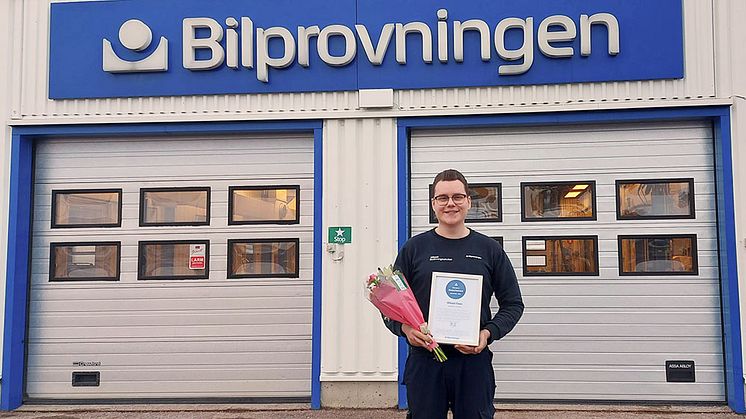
171, 304
181, 374
704, 317
617, 330
604, 344
185, 360
564, 390
546, 373
173, 331
552, 152
575, 328
247, 345
196, 388
250, 316
621, 302
241, 325
619, 287
593, 359
187, 289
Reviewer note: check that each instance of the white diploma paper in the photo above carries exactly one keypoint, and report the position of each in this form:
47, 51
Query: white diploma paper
455, 304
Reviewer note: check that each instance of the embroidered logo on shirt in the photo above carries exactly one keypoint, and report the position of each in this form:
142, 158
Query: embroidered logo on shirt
474, 257
440, 259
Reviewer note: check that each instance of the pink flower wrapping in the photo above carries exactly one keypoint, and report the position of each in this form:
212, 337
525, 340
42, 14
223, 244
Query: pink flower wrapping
390, 294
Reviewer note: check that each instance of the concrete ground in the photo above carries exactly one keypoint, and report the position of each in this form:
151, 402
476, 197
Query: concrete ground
301, 411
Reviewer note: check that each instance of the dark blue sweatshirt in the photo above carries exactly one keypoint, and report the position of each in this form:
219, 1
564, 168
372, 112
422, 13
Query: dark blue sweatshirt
474, 254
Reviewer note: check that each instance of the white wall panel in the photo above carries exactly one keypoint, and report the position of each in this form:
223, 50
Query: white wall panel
359, 191
7, 57
31, 79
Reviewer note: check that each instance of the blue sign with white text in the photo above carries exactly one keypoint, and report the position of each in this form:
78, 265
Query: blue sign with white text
135, 48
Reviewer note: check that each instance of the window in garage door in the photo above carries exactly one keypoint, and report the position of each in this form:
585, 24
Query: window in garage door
82, 208
658, 255
184, 259
174, 207
486, 203
655, 199
94, 261
263, 205
565, 256
263, 258
556, 201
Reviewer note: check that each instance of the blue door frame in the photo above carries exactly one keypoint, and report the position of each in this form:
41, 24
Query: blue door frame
19, 231
720, 118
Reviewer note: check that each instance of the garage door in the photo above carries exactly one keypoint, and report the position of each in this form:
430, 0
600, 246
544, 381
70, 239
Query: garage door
172, 268
612, 231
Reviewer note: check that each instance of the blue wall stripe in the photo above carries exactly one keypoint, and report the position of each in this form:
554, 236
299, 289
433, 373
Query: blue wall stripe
719, 115
728, 259
402, 150
16, 291
21, 187
318, 237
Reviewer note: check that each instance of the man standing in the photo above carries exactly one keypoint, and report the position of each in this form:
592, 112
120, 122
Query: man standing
465, 383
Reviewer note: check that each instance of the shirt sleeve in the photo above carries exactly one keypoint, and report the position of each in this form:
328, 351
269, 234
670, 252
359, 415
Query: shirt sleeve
403, 264
508, 295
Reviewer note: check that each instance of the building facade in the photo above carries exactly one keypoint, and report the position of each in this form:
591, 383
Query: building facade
193, 195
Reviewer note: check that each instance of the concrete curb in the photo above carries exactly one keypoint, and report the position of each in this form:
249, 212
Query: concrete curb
502, 407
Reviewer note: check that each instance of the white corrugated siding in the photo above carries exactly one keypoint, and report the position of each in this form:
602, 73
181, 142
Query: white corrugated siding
193, 338
604, 337
31, 79
7, 40
359, 191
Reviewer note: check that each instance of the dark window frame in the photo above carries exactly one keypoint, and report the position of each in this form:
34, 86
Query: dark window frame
690, 181
562, 274
594, 197
52, 256
695, 253
141, 260
56, 192
231, 242
498, 219
143, 191
231, 221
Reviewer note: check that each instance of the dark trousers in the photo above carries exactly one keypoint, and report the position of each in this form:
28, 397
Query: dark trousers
465, 384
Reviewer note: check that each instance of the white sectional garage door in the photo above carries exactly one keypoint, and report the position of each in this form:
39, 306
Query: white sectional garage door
608, 334
223, 326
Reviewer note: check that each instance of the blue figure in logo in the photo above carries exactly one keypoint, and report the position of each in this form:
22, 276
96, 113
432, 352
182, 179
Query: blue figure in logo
136, 36
456, 289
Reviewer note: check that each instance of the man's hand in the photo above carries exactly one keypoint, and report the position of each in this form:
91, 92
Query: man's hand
415, 337
484, 335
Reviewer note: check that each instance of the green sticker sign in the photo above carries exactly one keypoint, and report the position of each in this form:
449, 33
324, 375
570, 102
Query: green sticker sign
340, 235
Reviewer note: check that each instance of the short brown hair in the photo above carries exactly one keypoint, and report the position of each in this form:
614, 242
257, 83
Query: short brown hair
450, 175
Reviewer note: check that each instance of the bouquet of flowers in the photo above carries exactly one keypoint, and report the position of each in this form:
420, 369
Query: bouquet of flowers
389, 292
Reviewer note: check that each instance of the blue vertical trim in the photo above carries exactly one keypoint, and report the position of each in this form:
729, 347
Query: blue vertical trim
17, 274
728, 260
318, 170
19, 230
720, 117
402, 168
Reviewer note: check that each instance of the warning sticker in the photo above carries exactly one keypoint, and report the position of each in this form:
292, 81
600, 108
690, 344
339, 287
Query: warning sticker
197, 256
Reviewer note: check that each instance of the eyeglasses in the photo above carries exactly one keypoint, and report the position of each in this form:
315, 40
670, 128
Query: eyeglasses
457, 198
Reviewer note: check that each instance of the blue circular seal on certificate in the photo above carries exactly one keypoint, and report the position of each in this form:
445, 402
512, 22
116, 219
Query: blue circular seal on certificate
455, 289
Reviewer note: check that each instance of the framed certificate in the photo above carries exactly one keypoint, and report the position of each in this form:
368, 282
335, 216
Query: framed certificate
455, 305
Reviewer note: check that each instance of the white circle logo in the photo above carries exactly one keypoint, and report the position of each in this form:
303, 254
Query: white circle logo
135, 35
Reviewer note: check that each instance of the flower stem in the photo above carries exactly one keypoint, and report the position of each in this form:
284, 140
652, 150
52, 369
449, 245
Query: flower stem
439, 354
